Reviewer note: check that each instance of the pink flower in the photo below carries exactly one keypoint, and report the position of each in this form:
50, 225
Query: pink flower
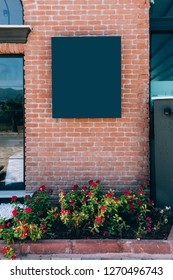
27, 210
8, 224
148, 224
14, 198
148, 229
42, 188
148, 218
15, 212
1, 226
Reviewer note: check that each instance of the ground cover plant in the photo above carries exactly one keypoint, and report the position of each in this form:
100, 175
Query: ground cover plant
84, 212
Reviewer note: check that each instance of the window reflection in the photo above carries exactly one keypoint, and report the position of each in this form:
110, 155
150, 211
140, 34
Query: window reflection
11, 120
11, 12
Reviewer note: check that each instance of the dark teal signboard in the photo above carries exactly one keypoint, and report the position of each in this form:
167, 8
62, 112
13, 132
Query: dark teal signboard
86, 77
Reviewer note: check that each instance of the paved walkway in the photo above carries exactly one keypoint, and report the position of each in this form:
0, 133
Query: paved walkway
105, 256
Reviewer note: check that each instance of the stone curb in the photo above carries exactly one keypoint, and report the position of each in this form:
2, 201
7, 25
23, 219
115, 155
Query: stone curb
94, 246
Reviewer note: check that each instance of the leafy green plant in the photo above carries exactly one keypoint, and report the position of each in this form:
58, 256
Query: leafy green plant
83, 212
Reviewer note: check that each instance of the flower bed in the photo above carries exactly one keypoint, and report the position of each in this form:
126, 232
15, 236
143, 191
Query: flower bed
85, 213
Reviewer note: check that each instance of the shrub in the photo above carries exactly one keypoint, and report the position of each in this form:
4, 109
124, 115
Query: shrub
83, 212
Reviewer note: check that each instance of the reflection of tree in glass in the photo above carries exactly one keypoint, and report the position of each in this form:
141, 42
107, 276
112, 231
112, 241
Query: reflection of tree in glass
13, 112
2, 173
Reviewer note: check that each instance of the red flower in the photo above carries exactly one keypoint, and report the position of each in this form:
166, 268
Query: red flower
98, 220
140, 202
14, 198
27, 210
148, 229
42, 188
105, 232
63, 211
42, 226
72, 202
74, 187
98, 181
84, 188
1, 226
94, 185
131, 206
116, 199
90, 182
15, 212
90, 194
84, 200
13, 257
5, 250
150, 201
110, 194
141, 192
103, 208
148, 218
127, 193
148, 224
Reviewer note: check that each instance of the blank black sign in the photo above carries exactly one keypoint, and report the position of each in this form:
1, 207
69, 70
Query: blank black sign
86, 77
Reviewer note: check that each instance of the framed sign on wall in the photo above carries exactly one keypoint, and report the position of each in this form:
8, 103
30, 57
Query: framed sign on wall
86, 77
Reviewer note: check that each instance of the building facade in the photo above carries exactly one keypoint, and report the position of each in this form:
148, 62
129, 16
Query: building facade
60, 152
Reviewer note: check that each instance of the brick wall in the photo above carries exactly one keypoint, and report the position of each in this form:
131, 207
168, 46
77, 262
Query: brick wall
61, 152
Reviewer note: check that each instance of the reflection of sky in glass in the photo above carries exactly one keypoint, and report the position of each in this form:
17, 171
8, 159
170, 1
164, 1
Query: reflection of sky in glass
11, 12
11, 72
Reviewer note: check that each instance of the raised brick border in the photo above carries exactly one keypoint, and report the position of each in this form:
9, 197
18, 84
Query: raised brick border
94, 246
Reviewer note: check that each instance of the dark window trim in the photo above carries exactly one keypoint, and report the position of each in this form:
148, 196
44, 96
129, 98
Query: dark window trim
158, 25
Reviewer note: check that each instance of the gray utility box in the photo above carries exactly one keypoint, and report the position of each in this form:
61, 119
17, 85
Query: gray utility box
163, 150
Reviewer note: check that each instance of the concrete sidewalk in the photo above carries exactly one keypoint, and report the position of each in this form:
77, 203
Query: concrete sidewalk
105, 256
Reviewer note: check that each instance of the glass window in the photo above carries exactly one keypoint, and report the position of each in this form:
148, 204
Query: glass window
11, 12
161, 9
161, 65
11, 122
